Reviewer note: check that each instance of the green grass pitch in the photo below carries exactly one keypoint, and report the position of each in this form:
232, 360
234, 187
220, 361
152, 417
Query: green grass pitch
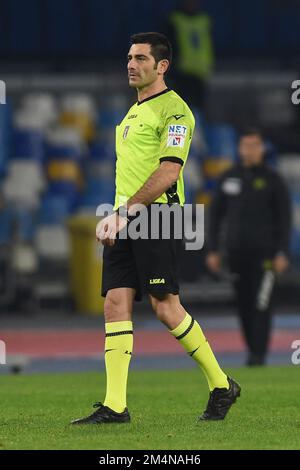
164, 405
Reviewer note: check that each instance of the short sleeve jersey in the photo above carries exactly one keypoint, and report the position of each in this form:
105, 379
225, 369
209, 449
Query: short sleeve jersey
157, 129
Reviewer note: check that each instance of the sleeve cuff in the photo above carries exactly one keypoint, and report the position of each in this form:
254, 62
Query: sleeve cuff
171, 159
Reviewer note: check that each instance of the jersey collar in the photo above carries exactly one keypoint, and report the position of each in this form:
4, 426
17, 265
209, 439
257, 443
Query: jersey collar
154, 96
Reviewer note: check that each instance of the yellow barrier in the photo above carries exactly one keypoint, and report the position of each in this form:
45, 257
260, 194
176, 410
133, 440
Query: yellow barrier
86, 264
203, 198
214, 167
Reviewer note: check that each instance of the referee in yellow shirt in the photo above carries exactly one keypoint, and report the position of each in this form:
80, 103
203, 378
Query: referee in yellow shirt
152, 145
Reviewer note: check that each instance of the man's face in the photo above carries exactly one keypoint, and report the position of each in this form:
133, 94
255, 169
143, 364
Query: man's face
251, 150
142, 69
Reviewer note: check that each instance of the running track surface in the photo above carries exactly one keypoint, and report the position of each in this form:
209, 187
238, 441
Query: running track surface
87, 343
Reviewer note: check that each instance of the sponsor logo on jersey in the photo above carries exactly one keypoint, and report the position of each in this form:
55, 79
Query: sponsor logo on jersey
132, 116
178, 116
176, 135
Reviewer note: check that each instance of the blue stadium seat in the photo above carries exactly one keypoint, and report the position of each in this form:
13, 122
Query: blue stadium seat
24, 220
26, 27
18, 221
102, 151
56, 29
109, 118
68, 190
271, 155
54, 209
98, 191
28, 144
106, 25
295, 242
63, 152
199, 118
5, 137
224, 29
209, 184
286, 26
222, 141
249, 38
296, 198
6, 225
189, 193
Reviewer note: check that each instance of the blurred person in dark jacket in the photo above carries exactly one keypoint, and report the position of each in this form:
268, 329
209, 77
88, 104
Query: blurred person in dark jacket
252, 203
189, 30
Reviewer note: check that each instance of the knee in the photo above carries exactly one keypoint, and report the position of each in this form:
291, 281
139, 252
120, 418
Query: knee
110, 309
114, 310
168, 310
163, 310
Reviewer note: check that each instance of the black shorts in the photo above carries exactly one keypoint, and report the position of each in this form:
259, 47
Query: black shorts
150, 266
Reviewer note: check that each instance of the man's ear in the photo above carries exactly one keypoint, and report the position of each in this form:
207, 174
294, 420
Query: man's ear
163, 66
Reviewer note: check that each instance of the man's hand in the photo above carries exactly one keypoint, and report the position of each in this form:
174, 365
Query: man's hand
280, 263
107, 229
213, 262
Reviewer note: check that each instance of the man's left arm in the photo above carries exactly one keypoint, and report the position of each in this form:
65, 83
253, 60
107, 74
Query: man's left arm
175, 139
158, 183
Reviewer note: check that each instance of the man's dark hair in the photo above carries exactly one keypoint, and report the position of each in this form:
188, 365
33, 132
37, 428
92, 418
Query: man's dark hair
160, 45
251, 131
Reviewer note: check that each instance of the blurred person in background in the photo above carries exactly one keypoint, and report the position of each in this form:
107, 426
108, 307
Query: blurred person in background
189, 30
252, 201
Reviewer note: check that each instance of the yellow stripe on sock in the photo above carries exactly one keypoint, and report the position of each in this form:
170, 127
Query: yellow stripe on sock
182, 327
117, 326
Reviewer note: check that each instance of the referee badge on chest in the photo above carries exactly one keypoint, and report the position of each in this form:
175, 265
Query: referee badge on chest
125, 133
